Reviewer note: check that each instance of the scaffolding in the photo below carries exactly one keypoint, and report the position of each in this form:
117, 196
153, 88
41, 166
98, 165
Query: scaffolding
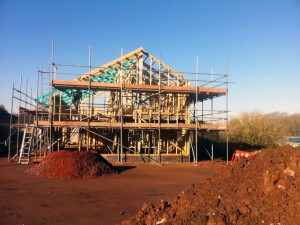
131, 109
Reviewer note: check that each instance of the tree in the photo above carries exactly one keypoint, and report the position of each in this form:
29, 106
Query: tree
292, 123
255, 129
2, 108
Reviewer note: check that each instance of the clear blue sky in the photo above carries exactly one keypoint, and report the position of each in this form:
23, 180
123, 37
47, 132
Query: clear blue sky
261, 40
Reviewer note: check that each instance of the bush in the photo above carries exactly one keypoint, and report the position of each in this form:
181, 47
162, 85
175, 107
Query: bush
255, 129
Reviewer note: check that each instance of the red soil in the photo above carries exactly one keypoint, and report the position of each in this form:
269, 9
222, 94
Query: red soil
33, 200
264, 189
67, 164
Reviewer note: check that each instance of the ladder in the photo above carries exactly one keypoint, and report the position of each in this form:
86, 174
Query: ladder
27, 145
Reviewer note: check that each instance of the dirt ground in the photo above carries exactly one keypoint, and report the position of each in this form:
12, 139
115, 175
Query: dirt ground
263, 189
27, 199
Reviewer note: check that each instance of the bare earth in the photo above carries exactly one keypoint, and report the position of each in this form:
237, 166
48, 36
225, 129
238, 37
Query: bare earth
263, 189
27, 199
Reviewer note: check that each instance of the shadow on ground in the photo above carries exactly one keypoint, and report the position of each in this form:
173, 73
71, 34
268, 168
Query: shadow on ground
122, 169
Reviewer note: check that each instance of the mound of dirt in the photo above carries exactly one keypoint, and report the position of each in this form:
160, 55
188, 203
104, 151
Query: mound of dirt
67, 164
264, 189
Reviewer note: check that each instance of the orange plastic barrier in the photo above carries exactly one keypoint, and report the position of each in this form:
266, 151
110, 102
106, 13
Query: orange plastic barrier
240, 154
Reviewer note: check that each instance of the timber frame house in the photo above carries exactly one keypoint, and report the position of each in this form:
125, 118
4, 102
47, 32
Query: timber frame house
131, 109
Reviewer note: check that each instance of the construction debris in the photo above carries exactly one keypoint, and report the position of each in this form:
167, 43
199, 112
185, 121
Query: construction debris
67, 164
263, 189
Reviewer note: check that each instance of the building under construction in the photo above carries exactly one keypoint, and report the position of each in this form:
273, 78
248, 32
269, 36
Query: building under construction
134, 108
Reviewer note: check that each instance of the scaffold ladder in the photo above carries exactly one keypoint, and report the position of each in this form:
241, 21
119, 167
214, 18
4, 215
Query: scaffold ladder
27, 145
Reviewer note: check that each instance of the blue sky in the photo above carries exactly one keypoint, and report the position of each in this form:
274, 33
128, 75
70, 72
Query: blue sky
260, 39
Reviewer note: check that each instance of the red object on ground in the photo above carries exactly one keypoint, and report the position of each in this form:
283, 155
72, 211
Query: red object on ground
68, 164
240, 154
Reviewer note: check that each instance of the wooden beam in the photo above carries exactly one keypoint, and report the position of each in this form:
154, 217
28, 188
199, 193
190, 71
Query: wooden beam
153, 73
65, 84
165, 66
112, 63
176, 146
172, 126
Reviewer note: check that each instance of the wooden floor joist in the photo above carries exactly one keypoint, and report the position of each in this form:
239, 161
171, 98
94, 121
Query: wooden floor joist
67, 84
70, 84
172, 126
